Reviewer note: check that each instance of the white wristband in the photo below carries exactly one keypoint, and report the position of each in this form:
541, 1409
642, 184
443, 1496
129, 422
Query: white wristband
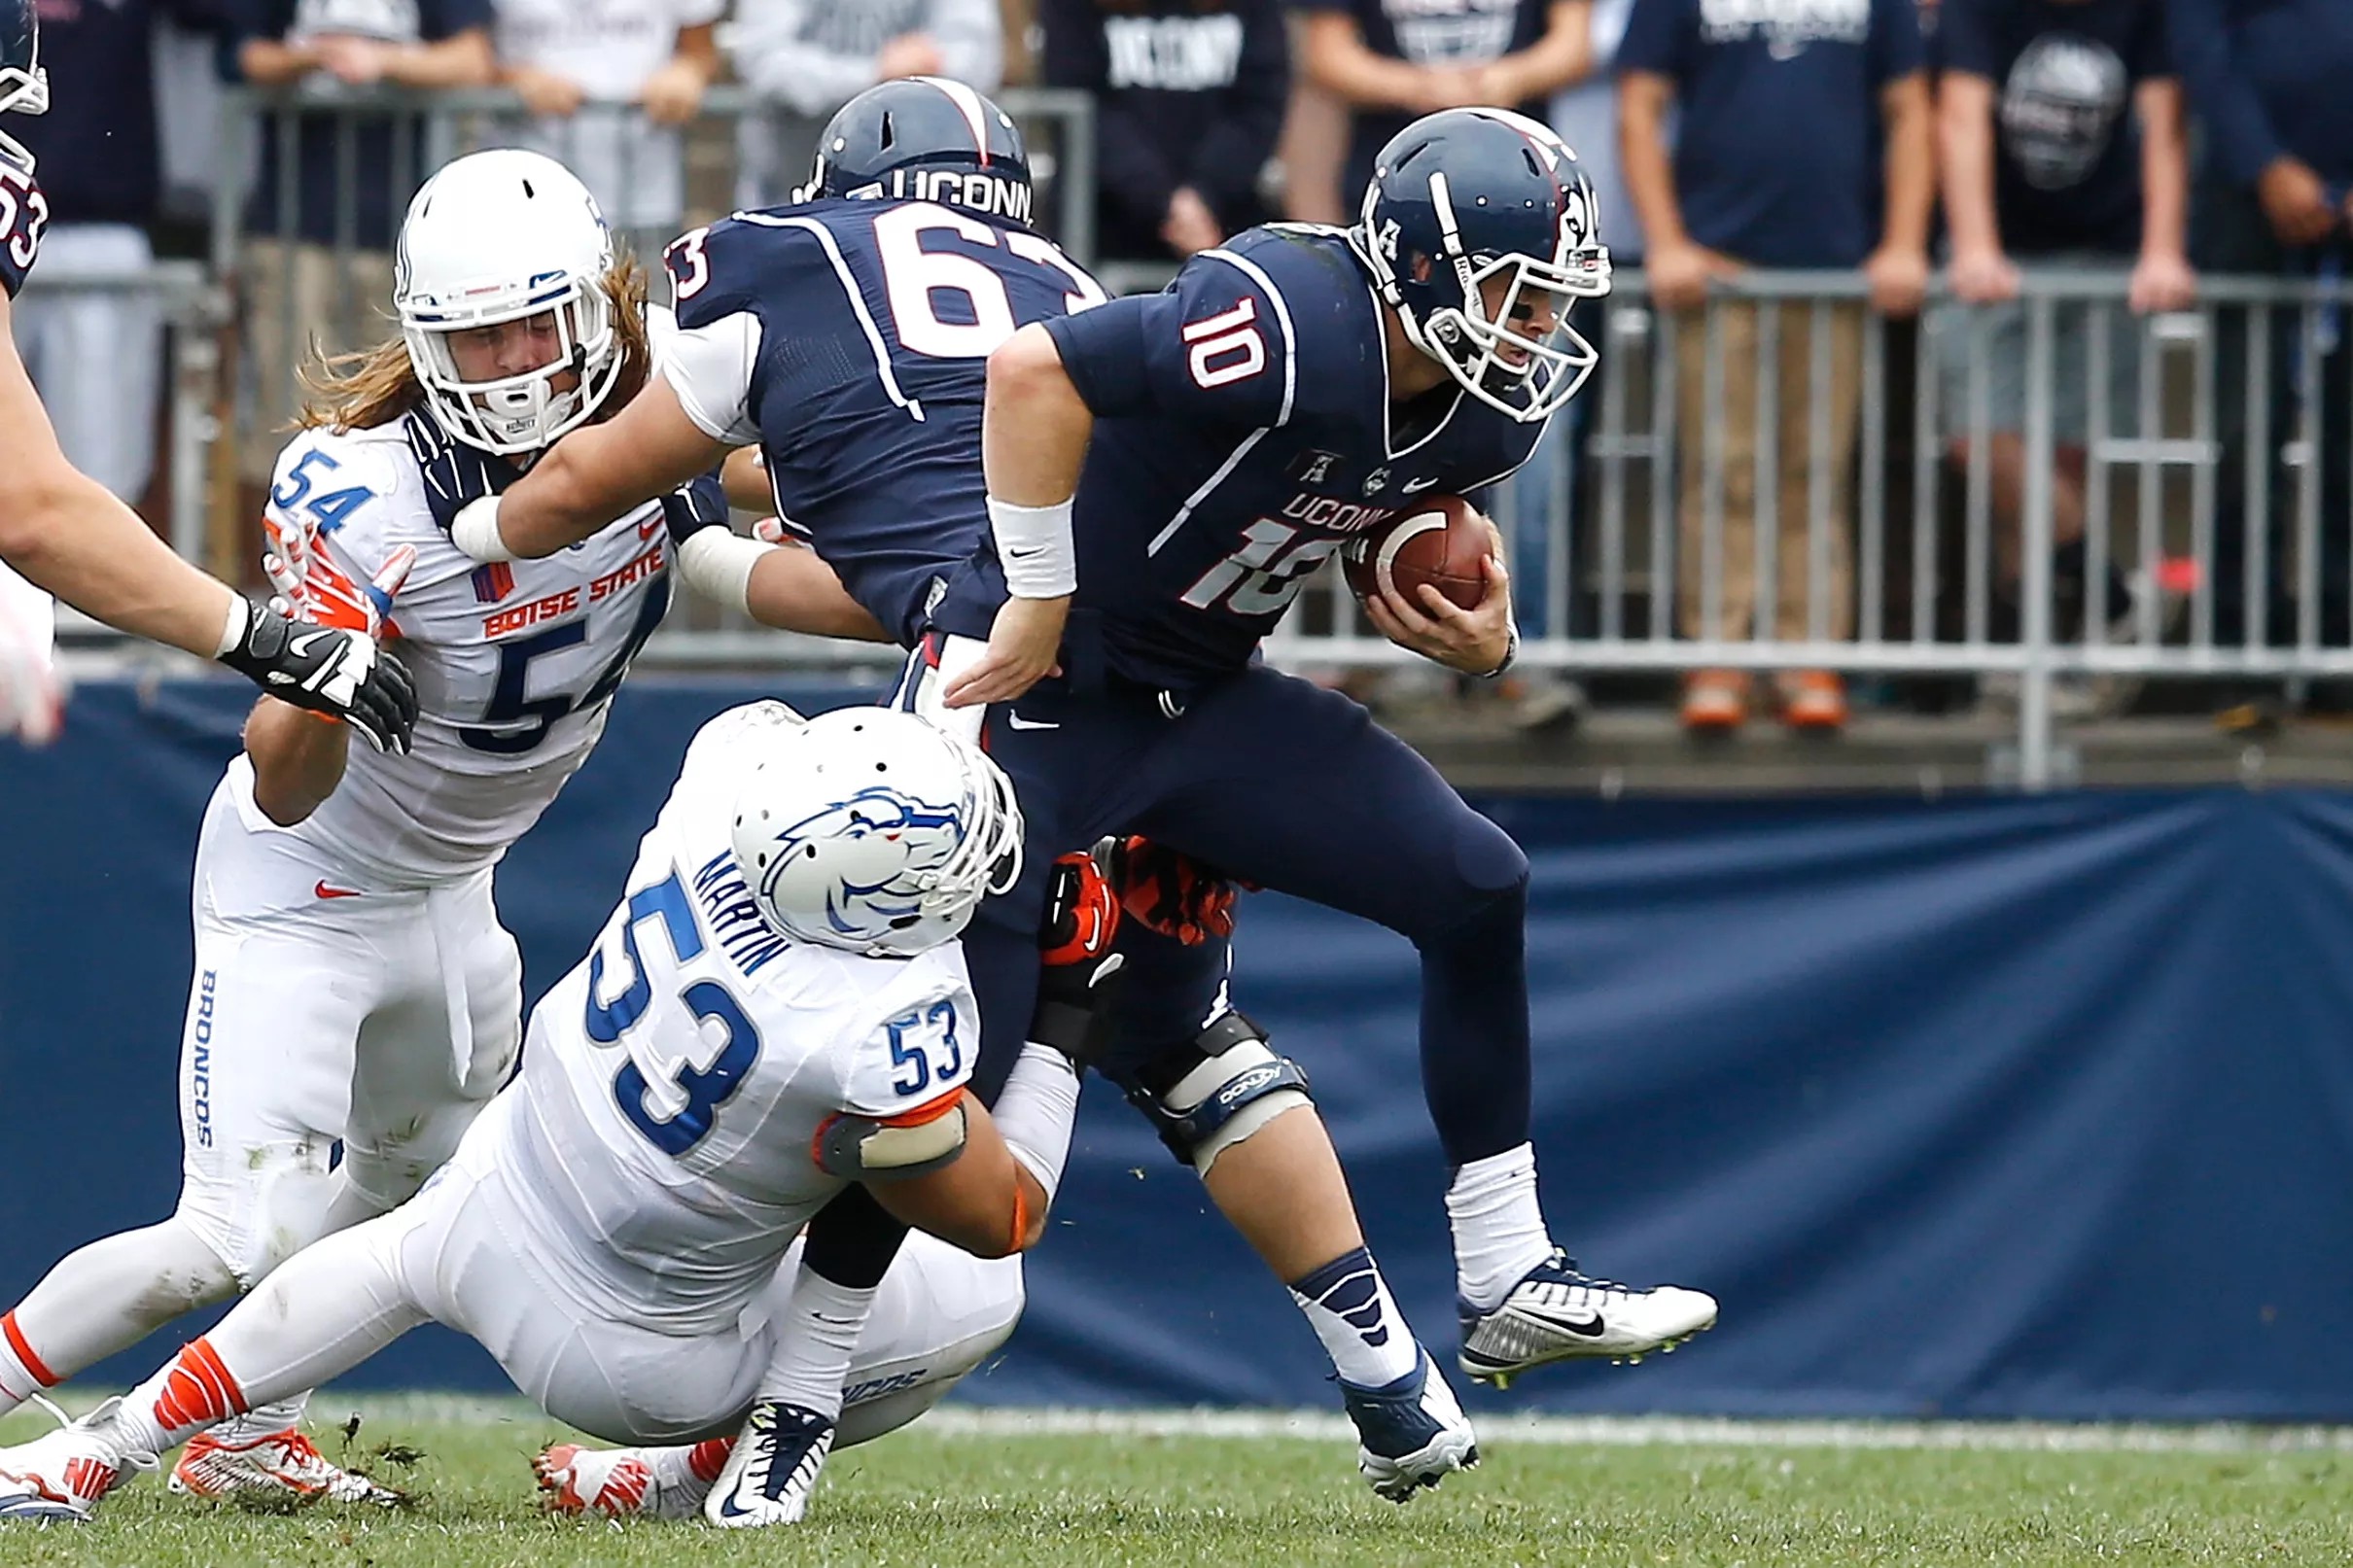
474, 530
234, 629
1033, 545
718, 565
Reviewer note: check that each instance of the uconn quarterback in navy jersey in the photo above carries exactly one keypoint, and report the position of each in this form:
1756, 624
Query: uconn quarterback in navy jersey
1161, 474
1244, 432
69, 537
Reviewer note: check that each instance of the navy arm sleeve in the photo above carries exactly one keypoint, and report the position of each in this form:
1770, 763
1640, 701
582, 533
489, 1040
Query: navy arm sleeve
2152, 57
2218, 91
1962, 42
438, 20
1215, 348
1657, 35
1129, 171
1895, 41
1249, 114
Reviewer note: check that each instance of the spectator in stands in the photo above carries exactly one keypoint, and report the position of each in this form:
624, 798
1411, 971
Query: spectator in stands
97, 355
1189, 97
610, 81
1556, 485
2268, 79
337, 254
2059, 123
1784, 104
812, 56
1393, 60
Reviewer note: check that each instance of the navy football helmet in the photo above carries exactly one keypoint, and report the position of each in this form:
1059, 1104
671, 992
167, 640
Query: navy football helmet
923, 138
23, 84
1479, 230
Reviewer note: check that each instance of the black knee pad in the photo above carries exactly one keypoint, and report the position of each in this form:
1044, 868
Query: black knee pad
1216, 1090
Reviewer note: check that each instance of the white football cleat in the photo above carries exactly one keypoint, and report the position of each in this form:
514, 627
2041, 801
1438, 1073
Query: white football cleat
60, 1477
773, 1471
1410, 1433
1559, 1314
618, 1483
286, 1463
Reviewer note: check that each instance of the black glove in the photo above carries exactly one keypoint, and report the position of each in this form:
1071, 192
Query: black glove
341, 673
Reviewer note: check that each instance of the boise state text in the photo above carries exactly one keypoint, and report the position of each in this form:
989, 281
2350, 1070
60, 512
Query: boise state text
24, 215
1244, 432
873, 321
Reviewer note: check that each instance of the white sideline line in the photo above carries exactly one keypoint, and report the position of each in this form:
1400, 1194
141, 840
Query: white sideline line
1321, 1426
1645, 1430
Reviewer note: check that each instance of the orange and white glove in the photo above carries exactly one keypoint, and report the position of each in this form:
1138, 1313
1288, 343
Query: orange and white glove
311, 585
1173, 893
1078, 988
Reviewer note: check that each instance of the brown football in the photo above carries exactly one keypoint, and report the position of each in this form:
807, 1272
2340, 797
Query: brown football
1439, 539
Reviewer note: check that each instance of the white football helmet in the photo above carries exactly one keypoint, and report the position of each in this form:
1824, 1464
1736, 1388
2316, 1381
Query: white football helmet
499, 236
874, 831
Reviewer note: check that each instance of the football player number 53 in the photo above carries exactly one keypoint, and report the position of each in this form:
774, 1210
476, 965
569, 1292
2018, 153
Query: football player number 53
673, 1109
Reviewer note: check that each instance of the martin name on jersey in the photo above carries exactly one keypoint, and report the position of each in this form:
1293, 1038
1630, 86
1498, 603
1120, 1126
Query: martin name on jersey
675, 1082
24, 215
516, 664
847, 338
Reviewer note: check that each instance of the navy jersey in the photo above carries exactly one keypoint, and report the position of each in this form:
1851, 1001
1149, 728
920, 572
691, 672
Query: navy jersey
24, 214
1244, 432
851, 341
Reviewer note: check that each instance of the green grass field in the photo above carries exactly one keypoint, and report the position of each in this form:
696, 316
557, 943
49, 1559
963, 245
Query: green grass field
970, 1492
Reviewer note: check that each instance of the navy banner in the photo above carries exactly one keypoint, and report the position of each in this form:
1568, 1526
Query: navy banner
1989, 1106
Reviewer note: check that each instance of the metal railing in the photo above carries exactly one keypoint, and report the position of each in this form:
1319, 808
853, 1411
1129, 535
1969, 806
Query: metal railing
1609, 553
193, 310
1705, 505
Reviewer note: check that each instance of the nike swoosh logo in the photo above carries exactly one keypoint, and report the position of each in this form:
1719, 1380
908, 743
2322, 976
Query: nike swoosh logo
325, 891
1019, 722
300, 646
1025, 554
1593, 1328
1411, 485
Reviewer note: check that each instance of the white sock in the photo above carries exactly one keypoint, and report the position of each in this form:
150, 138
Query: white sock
1349, 1306
268, 1421
1500, 1231
815, 1335
103, 1297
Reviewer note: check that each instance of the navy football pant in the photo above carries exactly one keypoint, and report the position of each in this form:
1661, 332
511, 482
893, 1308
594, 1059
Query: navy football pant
1278, 782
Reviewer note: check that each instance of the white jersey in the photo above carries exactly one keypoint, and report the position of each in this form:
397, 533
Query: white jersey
674, 1083
516, 664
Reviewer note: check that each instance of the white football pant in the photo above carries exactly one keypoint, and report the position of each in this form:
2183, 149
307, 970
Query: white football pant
463, 1254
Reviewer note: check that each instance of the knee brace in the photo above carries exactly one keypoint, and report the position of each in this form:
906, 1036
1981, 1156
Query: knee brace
1216, 1090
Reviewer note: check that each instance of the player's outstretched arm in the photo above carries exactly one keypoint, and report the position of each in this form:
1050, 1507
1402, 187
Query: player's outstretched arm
297, 760
68, 535
794, 590
590, 477
1034, 430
